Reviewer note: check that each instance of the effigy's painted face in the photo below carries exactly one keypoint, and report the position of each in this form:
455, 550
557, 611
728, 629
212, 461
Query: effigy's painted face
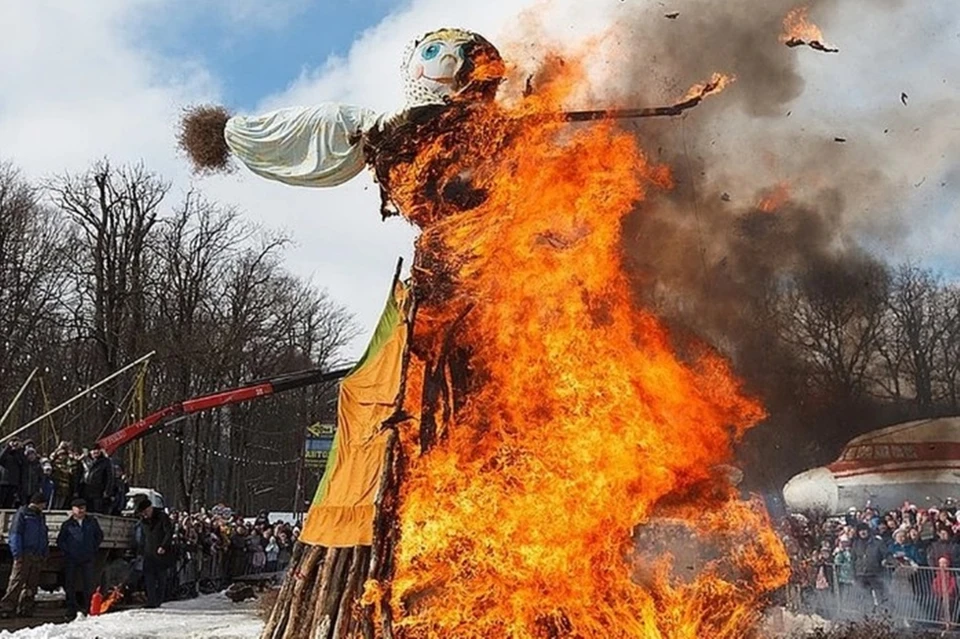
435, 65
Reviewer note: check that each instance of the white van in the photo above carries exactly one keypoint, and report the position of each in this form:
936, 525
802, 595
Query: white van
136, 494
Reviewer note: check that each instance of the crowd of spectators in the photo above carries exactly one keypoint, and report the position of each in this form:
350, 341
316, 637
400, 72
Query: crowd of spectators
175, 554
66, 474
862, 559
216, 546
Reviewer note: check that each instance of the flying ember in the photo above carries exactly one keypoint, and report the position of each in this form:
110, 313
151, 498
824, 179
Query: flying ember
798, 30
774, 198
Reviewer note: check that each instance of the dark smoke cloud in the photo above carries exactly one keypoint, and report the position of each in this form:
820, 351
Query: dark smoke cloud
704, 254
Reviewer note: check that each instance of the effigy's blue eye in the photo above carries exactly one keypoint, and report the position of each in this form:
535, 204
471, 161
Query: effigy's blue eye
431, 51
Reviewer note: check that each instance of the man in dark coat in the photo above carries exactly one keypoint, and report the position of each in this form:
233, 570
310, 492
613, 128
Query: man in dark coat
98, 482
158, 551
943, 546
120, 488
28, 545
79, 540
11, 473
31, 477
868, 552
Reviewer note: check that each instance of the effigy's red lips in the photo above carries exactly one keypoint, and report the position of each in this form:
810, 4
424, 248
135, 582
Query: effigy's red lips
440, 80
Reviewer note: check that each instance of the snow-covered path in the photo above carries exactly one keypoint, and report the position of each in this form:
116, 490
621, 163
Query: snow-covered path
206, 617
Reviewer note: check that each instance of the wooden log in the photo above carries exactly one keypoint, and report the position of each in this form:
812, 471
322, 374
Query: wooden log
348, 618
277, 620
321, 591
301, 594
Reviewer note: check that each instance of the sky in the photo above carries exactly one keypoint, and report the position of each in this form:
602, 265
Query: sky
84, 80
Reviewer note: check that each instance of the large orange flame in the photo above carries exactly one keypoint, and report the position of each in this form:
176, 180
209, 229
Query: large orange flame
584, 423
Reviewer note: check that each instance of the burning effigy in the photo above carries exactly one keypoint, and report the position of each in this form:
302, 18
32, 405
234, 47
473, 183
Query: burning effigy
521, 434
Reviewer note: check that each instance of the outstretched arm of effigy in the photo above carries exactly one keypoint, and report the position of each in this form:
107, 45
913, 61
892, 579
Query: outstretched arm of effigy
317, 146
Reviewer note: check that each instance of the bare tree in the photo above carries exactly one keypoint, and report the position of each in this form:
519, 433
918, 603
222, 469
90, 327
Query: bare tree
947, 349
107, 272
114, 211
912, 329
32, 281
833, 315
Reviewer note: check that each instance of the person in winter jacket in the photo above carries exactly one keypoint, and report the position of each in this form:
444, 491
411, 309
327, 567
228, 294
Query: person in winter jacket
256, 557
944, 546
944, 591
29, 542
120, 488
79, 541
66, 477
98, 480
843, 569
11, 473
902, 546
158, 551
868, 552
47, 486
32, 474
272, 550
238, 552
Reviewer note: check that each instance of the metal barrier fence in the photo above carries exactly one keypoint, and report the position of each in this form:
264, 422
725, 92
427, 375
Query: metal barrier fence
210, 570
911, 594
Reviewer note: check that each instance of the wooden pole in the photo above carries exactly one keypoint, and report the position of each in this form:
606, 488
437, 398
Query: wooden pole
16, 398
76, 397
672, 110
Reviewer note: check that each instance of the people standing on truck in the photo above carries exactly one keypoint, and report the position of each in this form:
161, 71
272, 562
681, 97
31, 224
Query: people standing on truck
158, 550
97, 487
120, 487
47, 486
11, 473
79, 541
66, 476
32, 476
29, 543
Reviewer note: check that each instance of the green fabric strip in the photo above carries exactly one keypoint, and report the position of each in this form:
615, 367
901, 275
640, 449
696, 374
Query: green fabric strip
389, 320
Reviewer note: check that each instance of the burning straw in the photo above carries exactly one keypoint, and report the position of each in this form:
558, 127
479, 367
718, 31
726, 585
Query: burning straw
799, 31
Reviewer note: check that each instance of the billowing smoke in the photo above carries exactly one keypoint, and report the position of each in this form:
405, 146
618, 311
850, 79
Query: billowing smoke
775, 183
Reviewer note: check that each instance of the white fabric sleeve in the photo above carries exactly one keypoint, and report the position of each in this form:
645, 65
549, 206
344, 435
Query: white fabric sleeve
304, 146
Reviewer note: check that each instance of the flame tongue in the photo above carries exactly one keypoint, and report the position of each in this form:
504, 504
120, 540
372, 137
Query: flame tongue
798, 30
116, 594
774, 198
717, 83
581, 419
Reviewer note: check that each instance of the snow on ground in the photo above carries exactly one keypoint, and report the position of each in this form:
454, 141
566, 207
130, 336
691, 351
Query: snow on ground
206, 617
779, 622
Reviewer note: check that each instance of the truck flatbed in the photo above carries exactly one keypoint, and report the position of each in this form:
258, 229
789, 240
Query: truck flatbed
117, 531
